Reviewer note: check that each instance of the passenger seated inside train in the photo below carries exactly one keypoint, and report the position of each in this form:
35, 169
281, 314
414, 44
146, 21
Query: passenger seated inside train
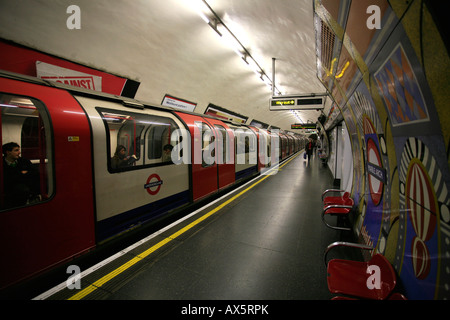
120, 158
167, 153
20, 179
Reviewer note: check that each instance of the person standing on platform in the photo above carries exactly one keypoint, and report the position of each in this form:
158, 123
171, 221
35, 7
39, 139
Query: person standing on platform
309, 148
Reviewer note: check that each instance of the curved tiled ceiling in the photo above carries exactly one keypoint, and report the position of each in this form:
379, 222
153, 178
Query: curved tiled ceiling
165, 45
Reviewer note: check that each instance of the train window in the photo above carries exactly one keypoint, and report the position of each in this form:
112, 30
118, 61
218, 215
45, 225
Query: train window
26, 168
158, 139
223, 140
245, 145
246, 141
266, 141
136, 139
207, 142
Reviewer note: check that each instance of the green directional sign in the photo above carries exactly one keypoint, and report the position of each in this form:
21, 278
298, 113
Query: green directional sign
308, 126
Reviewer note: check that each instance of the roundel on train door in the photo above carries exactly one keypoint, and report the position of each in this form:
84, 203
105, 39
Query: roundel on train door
153, 184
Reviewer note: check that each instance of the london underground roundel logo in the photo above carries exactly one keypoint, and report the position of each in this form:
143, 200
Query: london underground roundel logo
153, 184
375, 182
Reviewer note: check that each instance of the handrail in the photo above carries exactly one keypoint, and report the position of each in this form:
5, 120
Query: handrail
331, 190
345, 244
331, 206
343, 206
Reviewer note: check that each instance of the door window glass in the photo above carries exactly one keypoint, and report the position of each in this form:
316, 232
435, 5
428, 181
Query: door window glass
26, 168
137, 140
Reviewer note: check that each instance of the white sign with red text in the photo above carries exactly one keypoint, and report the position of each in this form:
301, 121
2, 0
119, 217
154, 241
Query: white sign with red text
67, 76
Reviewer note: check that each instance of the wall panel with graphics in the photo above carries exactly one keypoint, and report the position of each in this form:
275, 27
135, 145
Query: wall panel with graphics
391, 85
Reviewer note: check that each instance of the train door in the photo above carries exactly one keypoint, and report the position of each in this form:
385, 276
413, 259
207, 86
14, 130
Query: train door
265, 145
284, 146
290, 145
257, 134
275, 148
203, 163
224, 148
246, 151
46, 207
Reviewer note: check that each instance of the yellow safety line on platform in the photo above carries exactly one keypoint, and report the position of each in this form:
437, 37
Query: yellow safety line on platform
97, 284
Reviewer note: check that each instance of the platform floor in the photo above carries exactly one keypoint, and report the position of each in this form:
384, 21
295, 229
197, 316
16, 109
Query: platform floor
263, 242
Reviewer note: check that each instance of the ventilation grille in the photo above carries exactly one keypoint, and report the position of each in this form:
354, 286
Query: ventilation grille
327, 46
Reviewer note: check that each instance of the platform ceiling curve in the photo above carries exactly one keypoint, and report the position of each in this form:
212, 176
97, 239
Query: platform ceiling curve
170, 49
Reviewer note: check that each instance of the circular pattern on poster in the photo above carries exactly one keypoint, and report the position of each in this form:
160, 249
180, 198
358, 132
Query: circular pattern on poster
420, 201
420, 188
421, 263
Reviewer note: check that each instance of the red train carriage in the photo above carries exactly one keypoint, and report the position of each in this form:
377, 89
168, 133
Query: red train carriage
101, 165
40, 232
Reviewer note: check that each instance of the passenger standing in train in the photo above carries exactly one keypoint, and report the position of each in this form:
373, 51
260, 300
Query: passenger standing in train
167, 153
120, 158
19, 177
309, 148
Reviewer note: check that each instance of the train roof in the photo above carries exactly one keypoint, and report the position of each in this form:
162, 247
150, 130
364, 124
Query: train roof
127, 102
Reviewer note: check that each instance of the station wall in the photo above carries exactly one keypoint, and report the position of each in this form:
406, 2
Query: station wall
386, 67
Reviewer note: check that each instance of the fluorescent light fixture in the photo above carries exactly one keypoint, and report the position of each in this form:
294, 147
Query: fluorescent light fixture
202, 9
266, 80
255, 68
204, 17
205, 12
231, 41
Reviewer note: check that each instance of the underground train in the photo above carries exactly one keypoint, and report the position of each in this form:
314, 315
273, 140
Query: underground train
77, 196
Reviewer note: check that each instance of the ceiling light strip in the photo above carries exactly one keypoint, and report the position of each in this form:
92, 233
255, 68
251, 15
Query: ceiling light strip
234, 42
